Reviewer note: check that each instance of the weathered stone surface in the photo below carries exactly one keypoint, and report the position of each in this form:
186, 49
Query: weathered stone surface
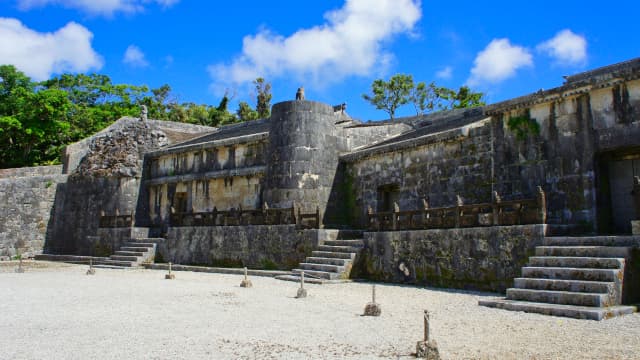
472, 258
26, 199
258, 247
428, 350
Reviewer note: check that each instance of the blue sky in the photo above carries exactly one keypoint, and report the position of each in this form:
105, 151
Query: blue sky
335, 49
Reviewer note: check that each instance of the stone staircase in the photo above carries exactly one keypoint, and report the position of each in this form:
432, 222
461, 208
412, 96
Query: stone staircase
332, 260
131, 254
577, 277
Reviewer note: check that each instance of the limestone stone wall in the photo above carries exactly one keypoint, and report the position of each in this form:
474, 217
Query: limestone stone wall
472, 258
26, 199
561, 143
76, 212
258, 247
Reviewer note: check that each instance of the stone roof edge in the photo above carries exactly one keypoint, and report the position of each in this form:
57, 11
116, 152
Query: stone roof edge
210, 144
445, 135
576, 84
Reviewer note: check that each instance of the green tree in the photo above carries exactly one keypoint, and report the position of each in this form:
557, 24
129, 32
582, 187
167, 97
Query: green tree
388, 96
263, 97
245, 112
400, 90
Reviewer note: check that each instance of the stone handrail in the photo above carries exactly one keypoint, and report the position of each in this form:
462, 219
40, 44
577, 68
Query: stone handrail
497, 213
239, 216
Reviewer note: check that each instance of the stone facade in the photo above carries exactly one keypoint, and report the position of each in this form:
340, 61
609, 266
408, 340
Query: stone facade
473, 258
257, 247
579, 142
26, 199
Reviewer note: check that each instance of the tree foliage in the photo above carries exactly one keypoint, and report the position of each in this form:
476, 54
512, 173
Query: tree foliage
426, 98
38, 119
389, 95
263, 97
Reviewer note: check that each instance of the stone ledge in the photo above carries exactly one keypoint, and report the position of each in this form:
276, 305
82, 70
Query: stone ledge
217, 270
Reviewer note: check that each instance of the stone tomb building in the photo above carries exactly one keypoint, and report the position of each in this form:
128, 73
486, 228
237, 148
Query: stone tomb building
459, 198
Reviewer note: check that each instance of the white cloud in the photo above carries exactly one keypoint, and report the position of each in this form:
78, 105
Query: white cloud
40, 54
133, 56
566, 48
498, 61
350, 42
97, 7
445, 73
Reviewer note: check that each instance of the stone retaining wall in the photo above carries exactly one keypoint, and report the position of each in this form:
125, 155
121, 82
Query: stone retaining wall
267, 247
484, 259
26, 200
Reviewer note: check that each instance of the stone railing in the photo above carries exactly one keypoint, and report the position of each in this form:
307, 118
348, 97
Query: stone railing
497, 213
238, 217
117, 220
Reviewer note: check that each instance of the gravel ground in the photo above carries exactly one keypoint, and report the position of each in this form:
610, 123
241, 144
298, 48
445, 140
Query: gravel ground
55, 311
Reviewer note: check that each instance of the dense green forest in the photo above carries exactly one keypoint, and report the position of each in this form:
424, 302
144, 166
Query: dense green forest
37, 119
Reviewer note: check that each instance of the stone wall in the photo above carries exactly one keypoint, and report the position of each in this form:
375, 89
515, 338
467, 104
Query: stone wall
484, 259
26, 199
557, 143
258, 247
77, 208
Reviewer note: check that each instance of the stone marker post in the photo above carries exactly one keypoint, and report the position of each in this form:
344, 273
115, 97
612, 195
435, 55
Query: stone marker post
20, 269
373, 308
427, 348
91, 270
246, 283
169, 276
302, 292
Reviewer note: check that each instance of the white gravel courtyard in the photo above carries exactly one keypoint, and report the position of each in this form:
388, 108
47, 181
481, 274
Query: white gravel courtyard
55, 311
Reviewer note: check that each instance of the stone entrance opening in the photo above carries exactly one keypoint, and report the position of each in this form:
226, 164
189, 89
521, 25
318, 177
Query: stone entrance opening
387, 196
180, 200
616, 205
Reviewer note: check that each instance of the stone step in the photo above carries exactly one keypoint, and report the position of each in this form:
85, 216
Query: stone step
601, 287
124, 258
316, 274
334, 255
296, 278
321, 267
120, 263
138, 244
350, 243
342, 249
576, 262
572, 311
148, 239
128, 253
350, 234
135, 248
560, 297
101, 266
327, 260
584, 251
610, 275
592, 241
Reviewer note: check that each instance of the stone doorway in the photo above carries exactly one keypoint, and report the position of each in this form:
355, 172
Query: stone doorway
387, 196
180, 202
616, 207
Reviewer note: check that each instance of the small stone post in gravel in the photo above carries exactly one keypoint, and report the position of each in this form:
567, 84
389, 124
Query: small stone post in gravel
372, 308
427, 349
302, 292
91, 270
19, 269
169, 276
246, 283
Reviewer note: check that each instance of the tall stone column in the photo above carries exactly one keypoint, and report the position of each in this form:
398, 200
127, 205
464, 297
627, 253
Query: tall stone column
302, 156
